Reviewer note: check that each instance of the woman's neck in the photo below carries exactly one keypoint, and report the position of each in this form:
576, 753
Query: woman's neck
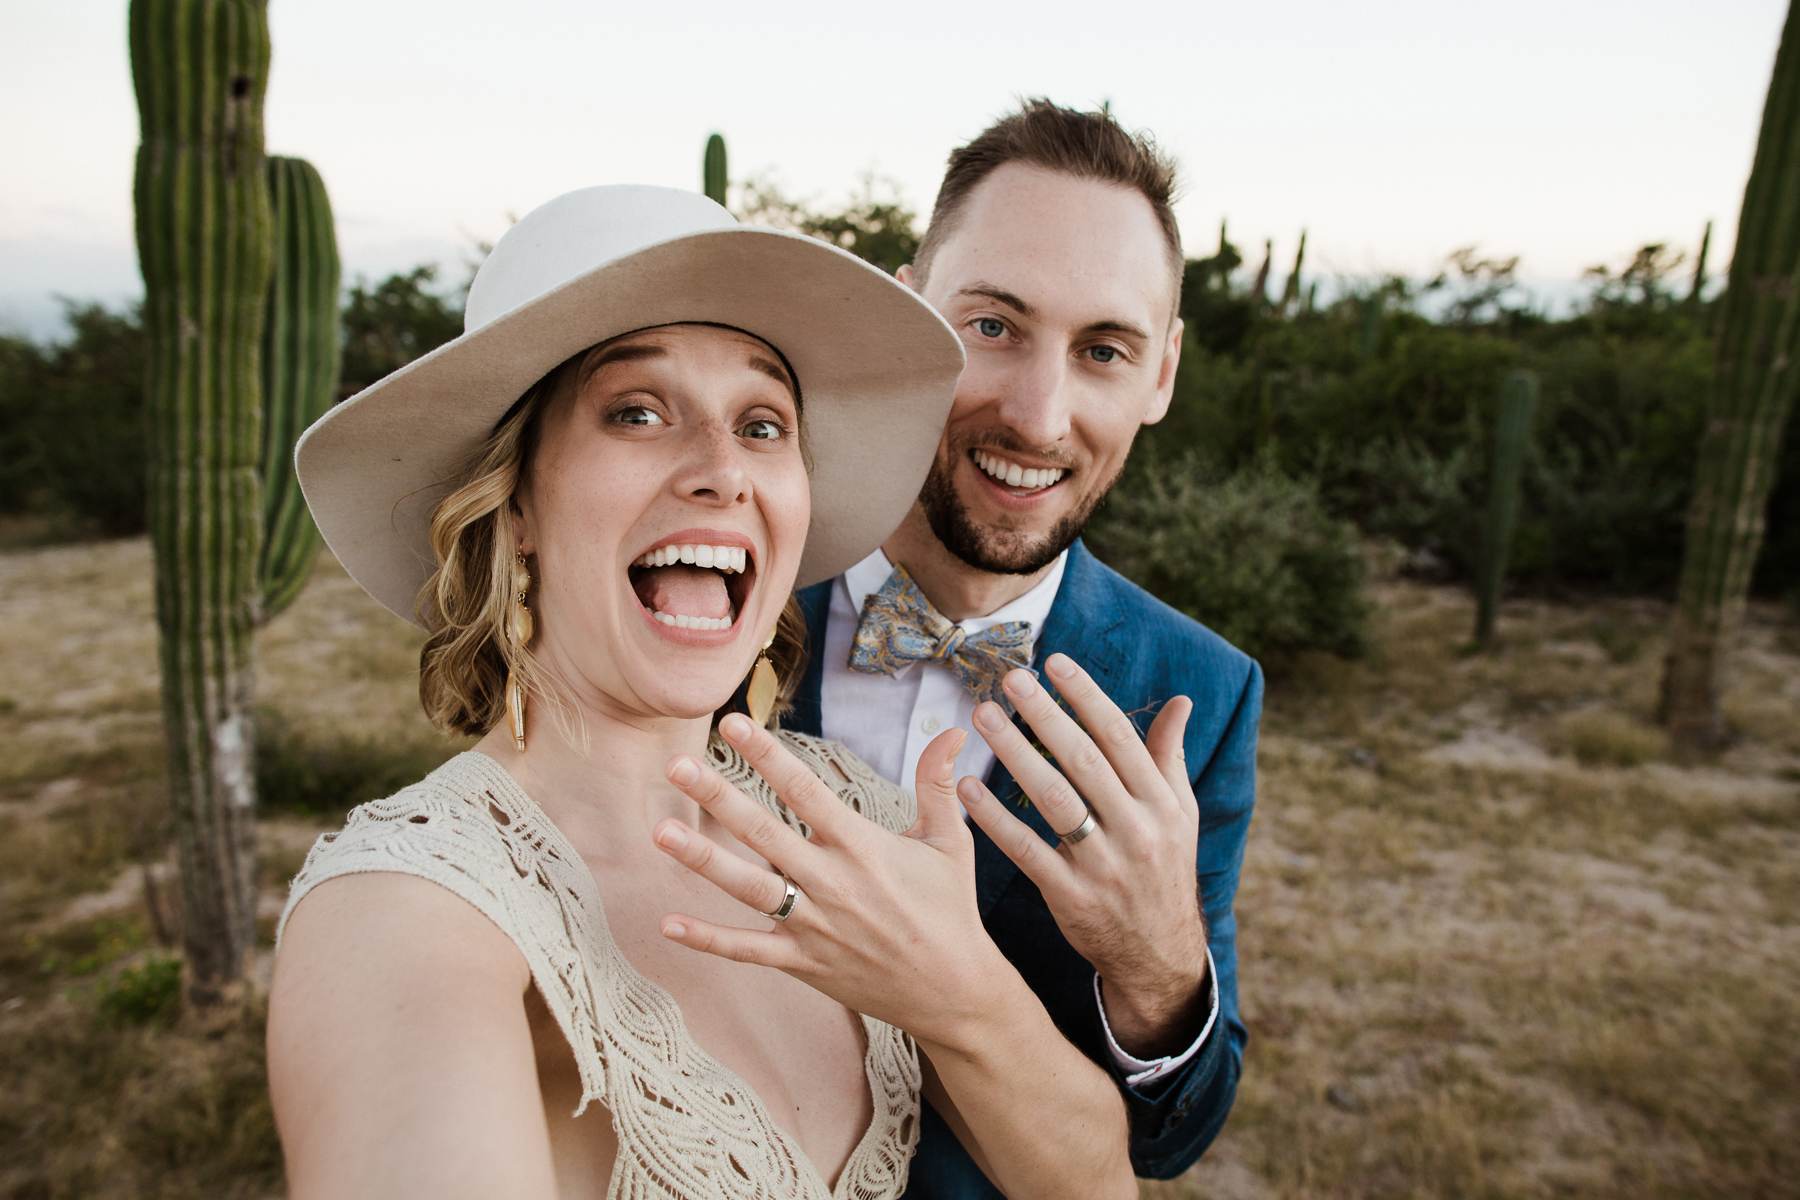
607, 797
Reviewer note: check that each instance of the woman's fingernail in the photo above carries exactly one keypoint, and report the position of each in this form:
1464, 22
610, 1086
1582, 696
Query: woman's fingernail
736, 727
957, 742
1060, 665
987, 716
671, 928
1020, 683
683, 771
671, 837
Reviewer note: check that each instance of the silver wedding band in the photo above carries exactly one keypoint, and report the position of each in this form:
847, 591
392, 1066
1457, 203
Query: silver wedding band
786, 908
1087, 826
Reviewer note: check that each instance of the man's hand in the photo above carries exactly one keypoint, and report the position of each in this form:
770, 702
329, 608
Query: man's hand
885, 924
1125, 895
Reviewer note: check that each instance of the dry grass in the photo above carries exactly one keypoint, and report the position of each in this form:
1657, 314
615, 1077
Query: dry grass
1494, 941
1495, 944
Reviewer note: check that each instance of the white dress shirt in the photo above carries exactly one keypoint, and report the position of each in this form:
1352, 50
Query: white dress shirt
887, 720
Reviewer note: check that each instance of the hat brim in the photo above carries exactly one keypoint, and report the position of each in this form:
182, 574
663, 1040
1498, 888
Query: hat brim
877, 369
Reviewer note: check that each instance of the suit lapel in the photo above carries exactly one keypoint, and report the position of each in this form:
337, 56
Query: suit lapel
1084, 623
815, 604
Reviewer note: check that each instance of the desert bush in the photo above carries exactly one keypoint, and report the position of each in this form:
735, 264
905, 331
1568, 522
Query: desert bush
328, 775
147, 992
1253, 554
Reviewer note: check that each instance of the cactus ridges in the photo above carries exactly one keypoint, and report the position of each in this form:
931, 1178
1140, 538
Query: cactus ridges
713, 174
1512, 435
1751, 396
299, 369
200, 68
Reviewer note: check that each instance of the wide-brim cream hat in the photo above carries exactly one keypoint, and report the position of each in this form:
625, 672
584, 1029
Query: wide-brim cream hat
876, 365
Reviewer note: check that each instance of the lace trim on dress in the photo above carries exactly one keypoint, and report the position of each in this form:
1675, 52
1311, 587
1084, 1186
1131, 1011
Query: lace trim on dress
686, 1124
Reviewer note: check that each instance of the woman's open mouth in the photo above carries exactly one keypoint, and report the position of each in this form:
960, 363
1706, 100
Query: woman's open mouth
690, 583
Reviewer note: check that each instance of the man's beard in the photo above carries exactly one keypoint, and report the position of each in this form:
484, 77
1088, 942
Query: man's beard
999, 551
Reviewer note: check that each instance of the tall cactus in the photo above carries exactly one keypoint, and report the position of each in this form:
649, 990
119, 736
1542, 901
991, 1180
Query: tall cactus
1259, 290
1512, 434
1699, 286
200, 68
713, 175
1290, 294
299, 369
1754, 380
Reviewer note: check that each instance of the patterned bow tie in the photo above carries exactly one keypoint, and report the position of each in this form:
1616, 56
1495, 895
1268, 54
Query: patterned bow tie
899, 627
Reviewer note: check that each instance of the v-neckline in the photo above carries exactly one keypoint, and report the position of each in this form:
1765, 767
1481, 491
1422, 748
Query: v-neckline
589, 895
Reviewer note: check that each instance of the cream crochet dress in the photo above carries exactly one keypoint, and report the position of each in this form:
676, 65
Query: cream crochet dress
687, 1126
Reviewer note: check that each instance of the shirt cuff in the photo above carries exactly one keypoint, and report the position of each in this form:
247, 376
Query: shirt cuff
1138, 1071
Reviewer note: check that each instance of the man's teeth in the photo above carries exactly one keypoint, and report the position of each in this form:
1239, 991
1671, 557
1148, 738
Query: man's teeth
719, 558
1013, 475
683, 621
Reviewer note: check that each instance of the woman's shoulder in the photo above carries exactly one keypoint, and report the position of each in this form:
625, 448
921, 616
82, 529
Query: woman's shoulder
458, 827
854, 781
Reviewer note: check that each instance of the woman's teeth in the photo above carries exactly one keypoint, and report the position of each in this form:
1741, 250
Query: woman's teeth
683, 621
1013, 475
719, 558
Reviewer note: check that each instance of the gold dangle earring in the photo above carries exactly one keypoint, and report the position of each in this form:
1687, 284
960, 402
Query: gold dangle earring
518, 631
765, 685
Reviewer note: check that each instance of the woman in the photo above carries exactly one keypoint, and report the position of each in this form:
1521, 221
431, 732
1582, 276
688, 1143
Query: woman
599, 498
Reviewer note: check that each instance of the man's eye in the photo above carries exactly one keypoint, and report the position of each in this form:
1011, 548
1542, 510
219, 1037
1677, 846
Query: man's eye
990, 327
764, 430
1104, 354
637, 414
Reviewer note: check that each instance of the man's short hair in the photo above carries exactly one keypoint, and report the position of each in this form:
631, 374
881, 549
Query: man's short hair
1087, 145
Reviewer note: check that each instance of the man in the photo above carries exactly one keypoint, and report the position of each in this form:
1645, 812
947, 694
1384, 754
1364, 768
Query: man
1053, 252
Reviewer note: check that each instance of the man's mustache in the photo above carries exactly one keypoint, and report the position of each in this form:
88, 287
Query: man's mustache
1007, 442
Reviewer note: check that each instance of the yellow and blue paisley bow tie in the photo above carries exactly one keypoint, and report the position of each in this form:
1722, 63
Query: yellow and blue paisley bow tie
899, 627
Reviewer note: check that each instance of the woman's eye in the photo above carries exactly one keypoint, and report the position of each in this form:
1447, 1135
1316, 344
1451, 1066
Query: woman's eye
1104, 354
637, 414
765, 429
990, 327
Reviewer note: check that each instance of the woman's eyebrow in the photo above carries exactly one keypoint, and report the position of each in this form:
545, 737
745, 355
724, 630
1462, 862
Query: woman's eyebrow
773, 370
630, 352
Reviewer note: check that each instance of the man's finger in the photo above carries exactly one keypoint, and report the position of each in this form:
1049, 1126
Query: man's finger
756, 887
1077, 755
768, 949
1062, 806
749, 822
1017, 840
1111, 730
1165, 741
805, 794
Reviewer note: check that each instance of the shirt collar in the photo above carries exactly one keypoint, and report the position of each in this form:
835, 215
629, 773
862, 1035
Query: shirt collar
867, 576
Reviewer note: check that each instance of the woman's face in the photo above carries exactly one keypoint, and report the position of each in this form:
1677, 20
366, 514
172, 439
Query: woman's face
666, 506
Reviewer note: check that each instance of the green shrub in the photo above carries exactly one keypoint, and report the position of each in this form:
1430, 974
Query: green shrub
330, 775
147, 992
1253, 555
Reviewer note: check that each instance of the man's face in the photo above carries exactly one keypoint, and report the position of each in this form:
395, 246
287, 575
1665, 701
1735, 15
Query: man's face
1061, 289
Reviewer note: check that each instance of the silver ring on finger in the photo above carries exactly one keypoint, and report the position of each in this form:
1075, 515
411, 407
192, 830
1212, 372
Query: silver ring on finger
1080, 832
785, 909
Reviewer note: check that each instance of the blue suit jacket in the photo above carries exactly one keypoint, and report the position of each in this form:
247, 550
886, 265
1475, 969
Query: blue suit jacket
1142, 652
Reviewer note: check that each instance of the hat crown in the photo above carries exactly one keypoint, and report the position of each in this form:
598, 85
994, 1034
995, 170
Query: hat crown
576, 232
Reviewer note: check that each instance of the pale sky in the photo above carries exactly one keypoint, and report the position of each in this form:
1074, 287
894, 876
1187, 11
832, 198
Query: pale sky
1566, 131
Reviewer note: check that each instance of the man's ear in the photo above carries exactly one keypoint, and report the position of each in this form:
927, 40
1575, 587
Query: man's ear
1165, 375
906, 275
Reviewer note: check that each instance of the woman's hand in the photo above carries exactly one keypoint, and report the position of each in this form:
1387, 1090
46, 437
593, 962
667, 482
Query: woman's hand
885, 924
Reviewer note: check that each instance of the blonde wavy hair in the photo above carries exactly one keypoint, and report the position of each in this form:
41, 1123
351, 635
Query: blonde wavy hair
467, 657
